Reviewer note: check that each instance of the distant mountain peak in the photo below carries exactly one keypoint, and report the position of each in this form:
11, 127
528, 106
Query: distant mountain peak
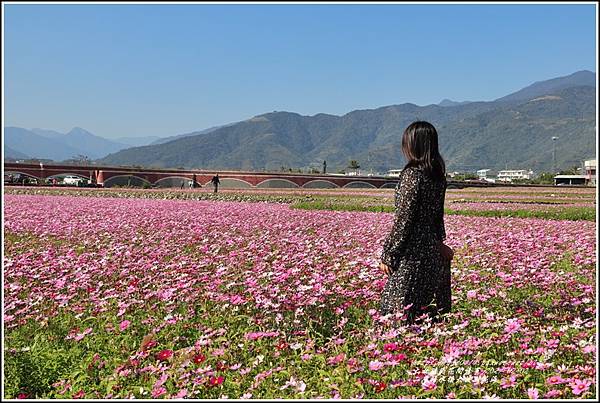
449, 102
549, 87
79, 130
274, 113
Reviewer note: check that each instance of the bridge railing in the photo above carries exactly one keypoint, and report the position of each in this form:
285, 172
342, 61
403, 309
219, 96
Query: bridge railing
47, 167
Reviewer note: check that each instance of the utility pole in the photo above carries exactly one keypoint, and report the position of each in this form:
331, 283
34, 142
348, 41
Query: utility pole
554, 138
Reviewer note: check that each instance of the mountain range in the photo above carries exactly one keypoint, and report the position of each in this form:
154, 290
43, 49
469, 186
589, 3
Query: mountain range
50, 144
514, 131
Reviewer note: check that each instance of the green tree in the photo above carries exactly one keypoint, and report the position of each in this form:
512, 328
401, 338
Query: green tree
570, 171
354, 164
465, 176
81, 159
544, 177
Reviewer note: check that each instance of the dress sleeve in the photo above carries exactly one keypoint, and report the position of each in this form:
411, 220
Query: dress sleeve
440, 228
406, 209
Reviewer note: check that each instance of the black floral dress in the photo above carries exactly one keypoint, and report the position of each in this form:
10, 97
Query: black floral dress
420, 279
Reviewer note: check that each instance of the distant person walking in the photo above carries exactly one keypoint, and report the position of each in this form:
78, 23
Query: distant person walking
215, 181
414, 256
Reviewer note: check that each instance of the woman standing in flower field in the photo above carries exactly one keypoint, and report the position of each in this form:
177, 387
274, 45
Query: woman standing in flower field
414, 255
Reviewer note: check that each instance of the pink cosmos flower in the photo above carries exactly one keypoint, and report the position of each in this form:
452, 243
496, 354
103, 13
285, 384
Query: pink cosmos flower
512, 326
389, 347
181, 394
218, 352
124, 325
336, 359
79, 394
528, 364
555, 380
375, 365
237, 300
551, 394
215, 381
589, 349
579, 386
542, 366
428, 383
508, 383
353, 365
533, 393
161, 381
83, 334
157, 392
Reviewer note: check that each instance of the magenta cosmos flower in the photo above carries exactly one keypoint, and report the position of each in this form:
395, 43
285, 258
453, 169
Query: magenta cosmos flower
164, 355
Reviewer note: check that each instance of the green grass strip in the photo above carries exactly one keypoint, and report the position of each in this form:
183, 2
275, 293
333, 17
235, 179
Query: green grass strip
571, 213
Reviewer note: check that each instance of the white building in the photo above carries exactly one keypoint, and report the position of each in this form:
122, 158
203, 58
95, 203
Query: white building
569, 180
486, 175
590, 171
394, 172
510, 175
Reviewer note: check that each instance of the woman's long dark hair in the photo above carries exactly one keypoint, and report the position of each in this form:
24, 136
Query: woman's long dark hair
420, 147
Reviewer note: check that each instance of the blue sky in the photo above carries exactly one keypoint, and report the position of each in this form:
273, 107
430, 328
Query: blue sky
140, 70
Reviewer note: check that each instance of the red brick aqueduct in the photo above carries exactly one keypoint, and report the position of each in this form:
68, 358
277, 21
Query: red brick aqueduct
106, 176
110, 176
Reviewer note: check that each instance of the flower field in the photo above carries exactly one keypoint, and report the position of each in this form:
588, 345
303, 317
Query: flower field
539, 202
122, 297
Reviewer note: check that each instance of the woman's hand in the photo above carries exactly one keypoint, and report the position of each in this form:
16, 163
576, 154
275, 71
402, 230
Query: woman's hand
447, 252
385, 268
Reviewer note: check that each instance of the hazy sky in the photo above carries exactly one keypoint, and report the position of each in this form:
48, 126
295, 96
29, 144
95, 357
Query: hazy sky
139, 70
